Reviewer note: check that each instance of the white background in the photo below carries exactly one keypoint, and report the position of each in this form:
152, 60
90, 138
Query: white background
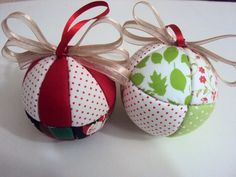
120, 149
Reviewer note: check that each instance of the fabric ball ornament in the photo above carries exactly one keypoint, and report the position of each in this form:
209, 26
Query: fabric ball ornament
67, 90
171, 92
173, 83
66, 100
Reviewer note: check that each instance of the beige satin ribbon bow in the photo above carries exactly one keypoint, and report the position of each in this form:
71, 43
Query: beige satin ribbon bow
162, 35
91, 56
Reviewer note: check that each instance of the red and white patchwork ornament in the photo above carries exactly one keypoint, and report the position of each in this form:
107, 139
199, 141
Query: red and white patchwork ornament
61, 93
67, 90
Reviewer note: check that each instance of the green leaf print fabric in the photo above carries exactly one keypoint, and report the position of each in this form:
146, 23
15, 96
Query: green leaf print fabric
137, 78
170, 54
185, 59
156, 58
142, 63
163, 74
178, 80
158, 84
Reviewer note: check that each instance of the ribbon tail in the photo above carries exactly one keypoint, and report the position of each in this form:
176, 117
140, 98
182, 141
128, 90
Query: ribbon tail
32, 46
24, 59
212, 39
229, 83
209, 54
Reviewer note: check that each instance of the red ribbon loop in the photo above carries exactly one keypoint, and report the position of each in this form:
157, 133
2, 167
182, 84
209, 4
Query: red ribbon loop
69, 32
180, 41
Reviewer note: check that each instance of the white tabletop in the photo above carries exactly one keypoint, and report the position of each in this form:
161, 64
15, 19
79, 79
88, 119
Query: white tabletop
120, 149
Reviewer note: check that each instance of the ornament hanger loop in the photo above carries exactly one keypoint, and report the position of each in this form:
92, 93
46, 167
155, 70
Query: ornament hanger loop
70, 31
180, 41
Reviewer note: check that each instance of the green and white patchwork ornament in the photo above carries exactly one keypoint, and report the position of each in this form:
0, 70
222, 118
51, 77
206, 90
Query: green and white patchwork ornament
172, 90
173, 83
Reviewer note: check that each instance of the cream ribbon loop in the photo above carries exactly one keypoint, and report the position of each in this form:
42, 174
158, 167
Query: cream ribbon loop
160, 34
89, 55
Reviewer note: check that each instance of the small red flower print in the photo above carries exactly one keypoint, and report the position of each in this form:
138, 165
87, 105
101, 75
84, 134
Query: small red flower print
213, 94
204, 100
201, 70
202, 79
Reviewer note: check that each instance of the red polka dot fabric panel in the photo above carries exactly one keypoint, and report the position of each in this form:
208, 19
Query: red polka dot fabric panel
87, 100
151, 115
